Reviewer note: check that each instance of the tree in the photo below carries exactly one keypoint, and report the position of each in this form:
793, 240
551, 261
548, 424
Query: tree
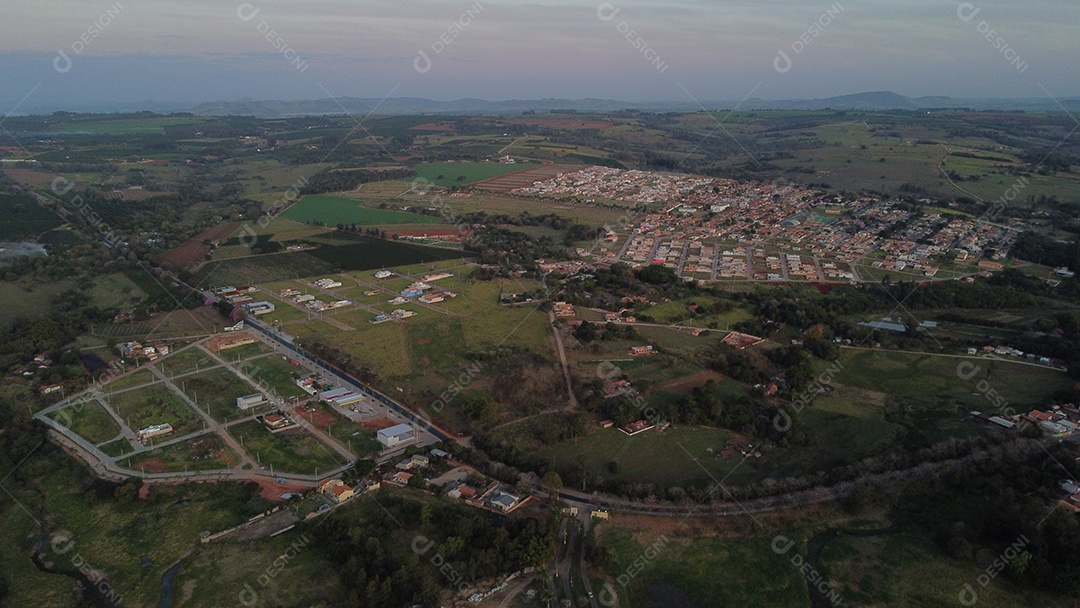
552, 481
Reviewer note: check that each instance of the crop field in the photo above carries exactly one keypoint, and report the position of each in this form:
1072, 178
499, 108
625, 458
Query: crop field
337, 253
524, 177
461, 174
155, 405
88, 420
293, 451
21, 217
333, 210
216, 392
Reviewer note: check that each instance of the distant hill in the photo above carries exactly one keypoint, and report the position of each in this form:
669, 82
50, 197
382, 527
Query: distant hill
362, 106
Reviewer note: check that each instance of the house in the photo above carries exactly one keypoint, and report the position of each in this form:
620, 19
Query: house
637, 427
641, 351
396, 435
275, 422
417, 461
503, 501
336, 489
461, 490
401, 478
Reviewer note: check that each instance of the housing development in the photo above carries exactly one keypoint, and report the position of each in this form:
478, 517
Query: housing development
549, 353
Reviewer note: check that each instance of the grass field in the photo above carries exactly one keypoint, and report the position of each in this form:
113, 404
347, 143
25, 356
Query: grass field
936, 378
334, 210
703, 572
292, 451
88, 420
460, 174
155, 405
117, 447
186, 360
23, 298
665, 458
275, 374
216, 392
138, 378
899, 569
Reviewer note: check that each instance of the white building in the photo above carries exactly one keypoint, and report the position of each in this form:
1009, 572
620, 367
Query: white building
397, 435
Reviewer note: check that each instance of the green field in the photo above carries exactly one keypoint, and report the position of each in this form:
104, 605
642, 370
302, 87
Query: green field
88, 420
923, 377
338, 253
155, 405
141, 377
451, 174
660, 457
293, 451
704, 572
902, 569
275, 374
216, 392
184, 361
21, 217
334, 210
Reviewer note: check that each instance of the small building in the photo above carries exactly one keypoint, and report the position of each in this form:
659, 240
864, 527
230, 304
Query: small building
341, 397
336, 489
396, 435
416, 461
641, 351
504, 501
249, 401
155, 430
275, 422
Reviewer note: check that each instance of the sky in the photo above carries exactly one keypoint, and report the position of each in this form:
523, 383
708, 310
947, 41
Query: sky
74, 53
